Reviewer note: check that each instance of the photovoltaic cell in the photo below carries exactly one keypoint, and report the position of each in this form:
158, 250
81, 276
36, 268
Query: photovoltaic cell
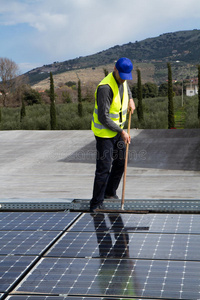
116, 256
23, 237
49, 221
112, 222
133, 245
156, 223
11, 267
25, 242
52, 298
115, 277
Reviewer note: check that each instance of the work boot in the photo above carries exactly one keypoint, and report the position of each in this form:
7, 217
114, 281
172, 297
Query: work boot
111, 197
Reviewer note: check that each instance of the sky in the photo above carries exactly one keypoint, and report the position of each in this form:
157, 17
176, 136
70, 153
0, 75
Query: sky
34, 33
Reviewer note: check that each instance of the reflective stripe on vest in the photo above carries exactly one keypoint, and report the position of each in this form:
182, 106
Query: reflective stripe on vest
100, 126
116, 108
114, 116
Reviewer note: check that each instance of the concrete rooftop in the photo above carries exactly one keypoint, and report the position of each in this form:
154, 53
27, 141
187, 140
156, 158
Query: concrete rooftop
74, 255
163, 164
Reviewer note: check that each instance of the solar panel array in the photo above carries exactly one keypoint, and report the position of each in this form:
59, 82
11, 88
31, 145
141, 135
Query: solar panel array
103, 256
24, 237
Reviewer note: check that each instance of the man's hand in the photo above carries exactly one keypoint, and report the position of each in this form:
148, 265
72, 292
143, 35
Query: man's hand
126, 138
131, 106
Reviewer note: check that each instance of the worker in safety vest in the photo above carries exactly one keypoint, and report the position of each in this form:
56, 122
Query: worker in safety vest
113, 99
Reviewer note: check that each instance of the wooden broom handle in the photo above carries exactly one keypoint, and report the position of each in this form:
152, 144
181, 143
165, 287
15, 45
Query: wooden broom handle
126, 161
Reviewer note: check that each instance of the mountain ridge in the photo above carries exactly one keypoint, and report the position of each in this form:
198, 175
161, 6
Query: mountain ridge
180, 46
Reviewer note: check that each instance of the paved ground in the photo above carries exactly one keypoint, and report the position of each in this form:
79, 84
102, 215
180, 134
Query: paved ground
61, 164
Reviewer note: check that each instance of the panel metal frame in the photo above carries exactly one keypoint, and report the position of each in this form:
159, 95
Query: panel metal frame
136, 205
149, 205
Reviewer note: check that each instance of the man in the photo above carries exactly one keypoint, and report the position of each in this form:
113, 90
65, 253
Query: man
112, 99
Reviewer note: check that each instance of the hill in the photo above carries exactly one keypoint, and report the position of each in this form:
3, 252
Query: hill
174, 47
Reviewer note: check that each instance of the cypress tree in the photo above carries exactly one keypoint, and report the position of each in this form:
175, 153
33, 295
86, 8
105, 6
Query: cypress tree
80, 107
52, 106
105, 72
171, 122
22, 111
139, 97
199, 93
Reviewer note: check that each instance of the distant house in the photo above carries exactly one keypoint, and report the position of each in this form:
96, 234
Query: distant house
192, 87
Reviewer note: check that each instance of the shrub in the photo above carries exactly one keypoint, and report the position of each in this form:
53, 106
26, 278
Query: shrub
31, 97
155, 115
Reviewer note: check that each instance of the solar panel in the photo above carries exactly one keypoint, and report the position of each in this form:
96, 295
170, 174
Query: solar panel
36, 220
53, 298
112, 221
23, 237
108, 256
137, 245
56, 298
114, 277
165, 223
11, 267
25, 242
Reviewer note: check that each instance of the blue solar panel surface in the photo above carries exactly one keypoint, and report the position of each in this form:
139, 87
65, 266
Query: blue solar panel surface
55, 298
25, 242
102, 256
24, 237
11, 268
35, 221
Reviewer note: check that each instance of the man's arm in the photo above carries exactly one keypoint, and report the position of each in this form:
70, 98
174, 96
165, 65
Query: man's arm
131, 105
104, 100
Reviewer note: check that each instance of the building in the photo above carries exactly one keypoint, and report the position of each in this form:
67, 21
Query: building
192, 87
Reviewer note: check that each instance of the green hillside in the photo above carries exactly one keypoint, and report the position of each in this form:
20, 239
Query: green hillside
181, 48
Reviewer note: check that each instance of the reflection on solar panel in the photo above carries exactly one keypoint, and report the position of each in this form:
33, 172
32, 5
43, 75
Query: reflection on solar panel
114, 277
165, 223
112, 256
137, 245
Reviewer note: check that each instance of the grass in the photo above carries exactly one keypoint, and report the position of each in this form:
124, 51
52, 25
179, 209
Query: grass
155, 115
180, 118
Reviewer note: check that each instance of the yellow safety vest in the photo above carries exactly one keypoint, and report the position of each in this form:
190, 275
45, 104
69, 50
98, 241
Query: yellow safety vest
117, 107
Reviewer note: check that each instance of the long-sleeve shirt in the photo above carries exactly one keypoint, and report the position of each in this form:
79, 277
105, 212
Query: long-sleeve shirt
104, 100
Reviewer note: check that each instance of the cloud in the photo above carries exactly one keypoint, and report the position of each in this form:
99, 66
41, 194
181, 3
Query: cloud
64, 29
25, 67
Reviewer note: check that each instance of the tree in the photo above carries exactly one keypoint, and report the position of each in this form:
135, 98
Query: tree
163, 89
150, 90
105, 72
22, 111
80, 107
66, 97
139, 97
52, 106
171, 122
134, 90
199, 93
20, 96
8, 73
31, 96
